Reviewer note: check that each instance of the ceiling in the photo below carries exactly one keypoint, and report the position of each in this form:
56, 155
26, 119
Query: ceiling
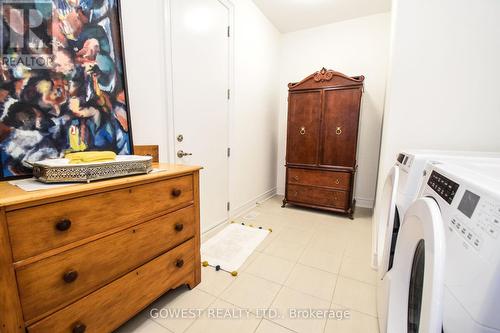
292, 15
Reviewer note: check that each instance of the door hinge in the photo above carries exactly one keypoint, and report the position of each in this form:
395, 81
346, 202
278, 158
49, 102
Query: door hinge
229, 94
228, 206
228, 31
228, 152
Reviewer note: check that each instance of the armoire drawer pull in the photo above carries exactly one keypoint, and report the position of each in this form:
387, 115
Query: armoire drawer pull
79, 328
179, 263
338, 131
176, 192
179, 227
70, 276
302, 130
63, 225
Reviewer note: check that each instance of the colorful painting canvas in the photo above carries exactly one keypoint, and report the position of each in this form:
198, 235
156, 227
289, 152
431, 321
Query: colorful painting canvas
62, 81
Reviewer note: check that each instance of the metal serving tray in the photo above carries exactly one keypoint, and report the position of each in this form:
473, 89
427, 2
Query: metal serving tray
60, 171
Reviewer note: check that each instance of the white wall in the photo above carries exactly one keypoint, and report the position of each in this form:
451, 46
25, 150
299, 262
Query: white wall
254, 131
145, 54
443, 90
354, 47
255, 96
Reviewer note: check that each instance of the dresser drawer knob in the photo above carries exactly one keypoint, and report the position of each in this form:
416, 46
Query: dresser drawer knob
296, 178
179, 227
179, 263
63, 225
70, 276
337, 181
79, 328
176, 192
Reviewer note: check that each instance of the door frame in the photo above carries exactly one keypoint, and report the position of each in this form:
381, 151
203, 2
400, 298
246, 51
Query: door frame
170, 91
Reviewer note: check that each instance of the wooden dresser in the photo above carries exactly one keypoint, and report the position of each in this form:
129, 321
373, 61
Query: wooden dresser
88, 257
323, 118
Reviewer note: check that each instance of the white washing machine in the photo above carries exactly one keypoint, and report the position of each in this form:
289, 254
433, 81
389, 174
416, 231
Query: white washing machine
446, 274
400, 190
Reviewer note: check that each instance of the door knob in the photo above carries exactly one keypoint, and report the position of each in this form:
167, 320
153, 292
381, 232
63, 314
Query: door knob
181, 154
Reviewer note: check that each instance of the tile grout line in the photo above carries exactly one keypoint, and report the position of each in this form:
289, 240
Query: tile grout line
279, 292
333, 296
280, 231
194, 321
336, 285
345, 277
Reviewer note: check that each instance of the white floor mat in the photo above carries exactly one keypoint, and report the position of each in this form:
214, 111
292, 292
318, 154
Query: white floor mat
232, 246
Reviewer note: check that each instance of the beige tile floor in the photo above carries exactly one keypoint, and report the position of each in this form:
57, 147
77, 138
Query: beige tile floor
311, 260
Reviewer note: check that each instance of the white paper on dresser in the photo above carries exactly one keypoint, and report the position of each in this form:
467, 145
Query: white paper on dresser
31, 184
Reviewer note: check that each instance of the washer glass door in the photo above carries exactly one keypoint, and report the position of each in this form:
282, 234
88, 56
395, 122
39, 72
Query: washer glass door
395, 231
416, 288
417, 277
384, 222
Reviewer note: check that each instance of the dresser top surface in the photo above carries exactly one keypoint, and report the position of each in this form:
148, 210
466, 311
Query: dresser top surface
13, 195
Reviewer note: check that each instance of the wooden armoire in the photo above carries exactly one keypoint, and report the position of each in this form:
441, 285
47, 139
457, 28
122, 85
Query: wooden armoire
322, 135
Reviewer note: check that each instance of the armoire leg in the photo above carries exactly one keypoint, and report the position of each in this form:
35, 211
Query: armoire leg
284, 203
351, 211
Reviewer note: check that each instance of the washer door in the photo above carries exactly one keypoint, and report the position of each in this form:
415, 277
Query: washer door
384, 223
416, 294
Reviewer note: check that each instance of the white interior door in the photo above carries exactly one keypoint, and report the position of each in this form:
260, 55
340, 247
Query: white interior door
200, 69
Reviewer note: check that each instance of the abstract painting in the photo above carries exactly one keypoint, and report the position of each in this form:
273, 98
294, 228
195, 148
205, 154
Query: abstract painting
62, 81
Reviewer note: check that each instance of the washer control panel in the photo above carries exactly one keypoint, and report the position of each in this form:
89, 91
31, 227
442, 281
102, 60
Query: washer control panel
478, 221
445, 187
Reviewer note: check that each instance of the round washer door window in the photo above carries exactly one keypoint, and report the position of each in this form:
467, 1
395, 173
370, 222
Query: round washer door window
395, 231
416, 288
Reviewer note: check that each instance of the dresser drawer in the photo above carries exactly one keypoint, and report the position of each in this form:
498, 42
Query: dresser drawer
109, 307
38, 229
317, 196
63, 278
332, 179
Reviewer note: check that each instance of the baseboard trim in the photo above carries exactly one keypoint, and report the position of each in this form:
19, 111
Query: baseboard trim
280, 191
364, 202
241, 210
252, 203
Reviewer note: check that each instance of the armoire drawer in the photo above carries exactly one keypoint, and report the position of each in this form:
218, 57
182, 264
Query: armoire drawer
332, 179
109, 307
317, 196
61, 279
41, 228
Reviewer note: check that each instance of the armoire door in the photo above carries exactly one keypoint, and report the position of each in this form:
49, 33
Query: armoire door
304, 113
340, 127
200, 82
